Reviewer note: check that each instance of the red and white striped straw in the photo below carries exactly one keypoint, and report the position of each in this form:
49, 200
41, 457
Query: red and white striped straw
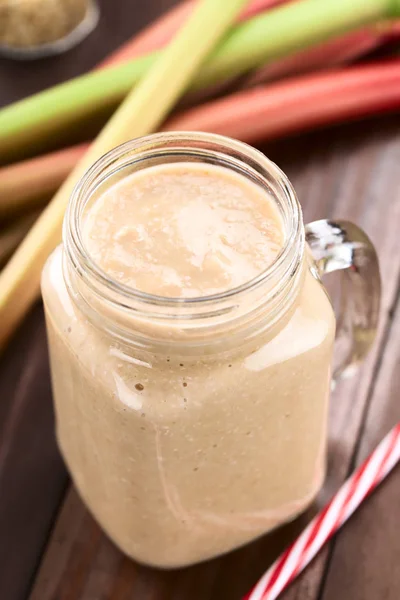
330, 519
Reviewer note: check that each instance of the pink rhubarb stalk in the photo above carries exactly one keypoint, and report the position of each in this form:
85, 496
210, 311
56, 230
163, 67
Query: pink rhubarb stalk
298, 104
24, 184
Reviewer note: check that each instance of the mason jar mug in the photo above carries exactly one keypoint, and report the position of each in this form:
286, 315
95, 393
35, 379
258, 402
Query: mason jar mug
193, 425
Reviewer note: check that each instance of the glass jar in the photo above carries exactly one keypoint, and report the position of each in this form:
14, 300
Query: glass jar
191, 426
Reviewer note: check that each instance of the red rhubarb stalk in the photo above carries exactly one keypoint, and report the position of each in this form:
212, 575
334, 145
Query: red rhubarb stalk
298, 104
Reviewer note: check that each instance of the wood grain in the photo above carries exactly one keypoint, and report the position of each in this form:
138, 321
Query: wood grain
365, 560
348, 172
32, 475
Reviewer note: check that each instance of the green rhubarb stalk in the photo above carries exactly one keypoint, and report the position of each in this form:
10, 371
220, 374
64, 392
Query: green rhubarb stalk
141, 113
268, 36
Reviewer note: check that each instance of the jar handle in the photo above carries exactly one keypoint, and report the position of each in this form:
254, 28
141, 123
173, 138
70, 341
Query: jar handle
340, 245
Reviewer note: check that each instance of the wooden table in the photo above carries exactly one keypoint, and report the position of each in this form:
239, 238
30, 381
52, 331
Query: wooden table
50, 547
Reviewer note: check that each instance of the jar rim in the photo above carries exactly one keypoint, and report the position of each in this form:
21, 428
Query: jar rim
166, 143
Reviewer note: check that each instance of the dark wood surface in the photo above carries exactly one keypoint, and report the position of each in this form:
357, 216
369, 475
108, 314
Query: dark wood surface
50, 547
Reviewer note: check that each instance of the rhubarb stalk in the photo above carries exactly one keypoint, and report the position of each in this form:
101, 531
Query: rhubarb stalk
333, 53
269, 36
30, 182
297, 104
142, 112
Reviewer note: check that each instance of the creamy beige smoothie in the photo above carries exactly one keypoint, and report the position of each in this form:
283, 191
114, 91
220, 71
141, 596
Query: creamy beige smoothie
189, 444
183, 230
